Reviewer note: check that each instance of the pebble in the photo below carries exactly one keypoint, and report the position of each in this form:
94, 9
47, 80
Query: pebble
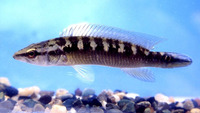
144, 104
28, 91
38, 108
163, 106
78, 92
58, 109
96, 110
88, 92
4, 80
131, 95
188, 104
50, 93
111, 106
83, 110
162, 98
65, 97
198, 101
17, 109
61, 92
45, 99
8, 90
77, 104
9, 105
2, 96
129, 108
114, 111
139, 99
69, 103
29, 103
147, 110
120, 95
195, 110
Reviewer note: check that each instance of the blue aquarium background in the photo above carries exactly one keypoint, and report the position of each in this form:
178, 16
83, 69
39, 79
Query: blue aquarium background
24, 22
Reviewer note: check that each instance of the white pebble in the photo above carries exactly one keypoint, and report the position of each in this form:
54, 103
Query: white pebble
5, 81
162, 98
61, 92
28, 91
58, 109
132, 95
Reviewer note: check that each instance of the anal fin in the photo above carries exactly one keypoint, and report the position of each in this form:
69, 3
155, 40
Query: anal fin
143, 74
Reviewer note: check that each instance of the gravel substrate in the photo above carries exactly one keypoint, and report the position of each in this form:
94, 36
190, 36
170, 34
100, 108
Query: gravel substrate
32, 99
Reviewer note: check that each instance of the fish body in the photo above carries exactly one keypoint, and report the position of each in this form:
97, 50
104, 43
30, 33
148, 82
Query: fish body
86, 44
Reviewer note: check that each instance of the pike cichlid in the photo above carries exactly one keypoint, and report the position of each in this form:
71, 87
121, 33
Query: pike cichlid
86, 44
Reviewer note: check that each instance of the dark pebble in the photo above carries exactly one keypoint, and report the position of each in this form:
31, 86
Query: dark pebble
69, 103
138, 99
179, 111
111, 106
163, 106
45, 99
195, 104
65, 97
93, 101
129, 108
78, 92
123, 102
29, 103
50, 93
24, 97
8, 90
88, 92
141, 106
154, 103
77, 104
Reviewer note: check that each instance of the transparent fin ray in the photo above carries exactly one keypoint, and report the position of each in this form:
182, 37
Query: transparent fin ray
94, 30
143, 74
84, 73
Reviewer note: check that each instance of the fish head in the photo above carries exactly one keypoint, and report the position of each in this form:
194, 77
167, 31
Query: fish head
33, 54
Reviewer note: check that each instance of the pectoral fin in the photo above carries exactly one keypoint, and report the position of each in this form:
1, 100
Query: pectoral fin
84, 73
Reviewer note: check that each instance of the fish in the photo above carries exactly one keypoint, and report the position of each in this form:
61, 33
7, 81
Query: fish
92, 44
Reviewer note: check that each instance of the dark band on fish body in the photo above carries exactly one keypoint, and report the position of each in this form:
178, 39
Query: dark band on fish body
60, 41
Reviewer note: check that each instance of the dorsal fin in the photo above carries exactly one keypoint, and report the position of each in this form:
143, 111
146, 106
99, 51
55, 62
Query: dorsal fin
94, 30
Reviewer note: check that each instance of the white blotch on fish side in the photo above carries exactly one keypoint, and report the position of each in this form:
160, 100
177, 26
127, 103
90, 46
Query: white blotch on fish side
105, 45
146, 52
80, 43
68, 43
133, 48
93, 44
162, 53
121, 47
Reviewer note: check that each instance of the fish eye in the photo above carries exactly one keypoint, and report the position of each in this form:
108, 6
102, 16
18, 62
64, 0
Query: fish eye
31, 54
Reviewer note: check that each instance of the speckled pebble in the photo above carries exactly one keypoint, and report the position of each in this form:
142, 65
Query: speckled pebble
69, 103
188, 104
129, 108
38, 108
147, 110
198, 101
45, 99
111, 106
114, 111
65, 97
